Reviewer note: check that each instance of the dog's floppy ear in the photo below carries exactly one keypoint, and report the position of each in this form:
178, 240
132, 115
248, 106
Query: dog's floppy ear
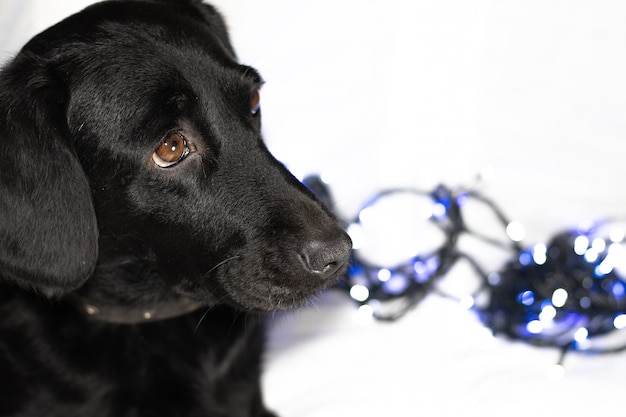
210, 16
48, 231
216, 22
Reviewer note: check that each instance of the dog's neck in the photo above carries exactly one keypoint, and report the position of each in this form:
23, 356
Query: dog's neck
125, 314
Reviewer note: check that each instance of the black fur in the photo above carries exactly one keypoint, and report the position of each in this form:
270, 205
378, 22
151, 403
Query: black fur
127, 288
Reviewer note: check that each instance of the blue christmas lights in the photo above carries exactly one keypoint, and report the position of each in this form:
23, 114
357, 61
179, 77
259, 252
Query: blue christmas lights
389, 290
569, 293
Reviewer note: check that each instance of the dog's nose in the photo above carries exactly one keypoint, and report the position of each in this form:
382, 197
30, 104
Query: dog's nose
324, 256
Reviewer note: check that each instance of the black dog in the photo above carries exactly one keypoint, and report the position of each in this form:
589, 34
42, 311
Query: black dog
145, 228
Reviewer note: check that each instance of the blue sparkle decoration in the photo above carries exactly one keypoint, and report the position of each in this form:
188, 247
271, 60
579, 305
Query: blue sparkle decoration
569, 301
392, 290
408, 281
569, 294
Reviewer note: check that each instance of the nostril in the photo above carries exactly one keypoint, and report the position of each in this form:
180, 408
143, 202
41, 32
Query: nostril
324, 257
318, 258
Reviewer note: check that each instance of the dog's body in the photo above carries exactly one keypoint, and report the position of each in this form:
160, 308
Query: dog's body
145, 228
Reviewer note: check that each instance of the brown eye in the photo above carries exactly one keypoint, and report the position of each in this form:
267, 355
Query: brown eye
255, 103
171, 150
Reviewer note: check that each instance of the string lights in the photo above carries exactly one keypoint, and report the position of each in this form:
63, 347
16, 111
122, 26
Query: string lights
569, 293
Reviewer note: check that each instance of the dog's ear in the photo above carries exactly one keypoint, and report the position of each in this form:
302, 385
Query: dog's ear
210, 16
48, 231
216, 22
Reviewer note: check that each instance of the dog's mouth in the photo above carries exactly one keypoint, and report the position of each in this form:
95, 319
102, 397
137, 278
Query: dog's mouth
267, 297
290, 287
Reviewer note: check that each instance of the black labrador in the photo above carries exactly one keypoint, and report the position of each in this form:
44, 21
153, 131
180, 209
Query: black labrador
145, 229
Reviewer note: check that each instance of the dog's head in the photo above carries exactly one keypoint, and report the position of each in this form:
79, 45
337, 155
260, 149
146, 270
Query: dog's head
133, 171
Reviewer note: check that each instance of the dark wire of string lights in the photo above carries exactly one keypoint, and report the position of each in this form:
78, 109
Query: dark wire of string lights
569, 293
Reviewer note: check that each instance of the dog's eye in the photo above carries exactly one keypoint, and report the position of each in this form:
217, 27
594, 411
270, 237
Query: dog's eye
255, 103
171, 150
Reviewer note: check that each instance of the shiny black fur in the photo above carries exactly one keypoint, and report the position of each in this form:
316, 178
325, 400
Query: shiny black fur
126, 288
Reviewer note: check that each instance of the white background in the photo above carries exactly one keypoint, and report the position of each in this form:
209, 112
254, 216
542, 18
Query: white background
376, 94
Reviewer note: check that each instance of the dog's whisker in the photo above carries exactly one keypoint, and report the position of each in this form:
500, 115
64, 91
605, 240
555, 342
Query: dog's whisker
219, 264
201, 319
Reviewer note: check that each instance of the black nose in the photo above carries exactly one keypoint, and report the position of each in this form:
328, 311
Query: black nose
324, 256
